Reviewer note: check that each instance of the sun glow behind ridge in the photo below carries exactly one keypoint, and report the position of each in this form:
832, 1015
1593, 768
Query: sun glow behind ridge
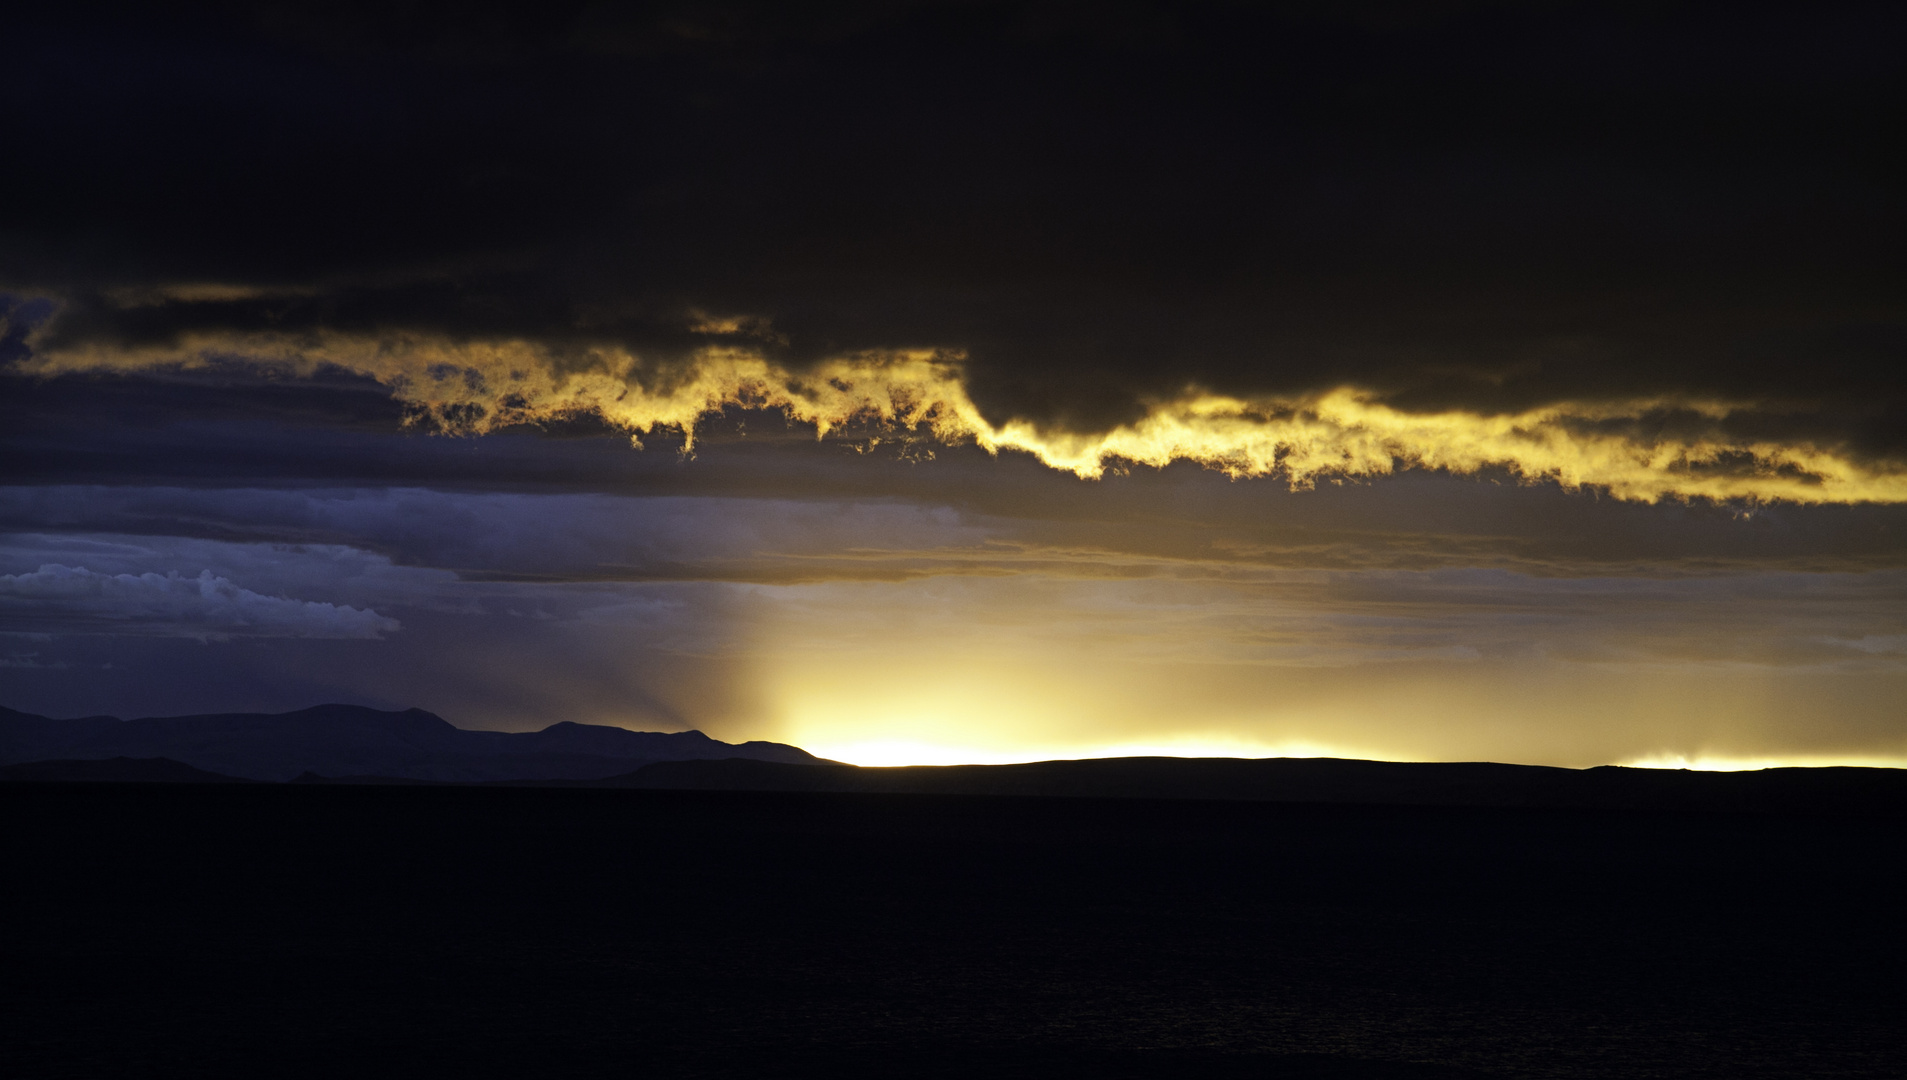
900, 753
956, 670
904, 752
1717, 763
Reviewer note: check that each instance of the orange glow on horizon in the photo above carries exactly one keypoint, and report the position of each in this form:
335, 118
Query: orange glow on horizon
902, 752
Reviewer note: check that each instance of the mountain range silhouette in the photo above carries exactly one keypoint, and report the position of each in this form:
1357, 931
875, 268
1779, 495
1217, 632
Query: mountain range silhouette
354, 741
349, 744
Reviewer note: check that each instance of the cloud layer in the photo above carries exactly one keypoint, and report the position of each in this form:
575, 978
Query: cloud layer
1640, 449
1516, 381
73, 599
1586, 244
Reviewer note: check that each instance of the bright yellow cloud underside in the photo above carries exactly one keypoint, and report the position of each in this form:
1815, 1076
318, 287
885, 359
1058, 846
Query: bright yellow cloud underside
475, 387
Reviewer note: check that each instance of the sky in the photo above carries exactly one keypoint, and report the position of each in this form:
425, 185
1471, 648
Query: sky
925, 382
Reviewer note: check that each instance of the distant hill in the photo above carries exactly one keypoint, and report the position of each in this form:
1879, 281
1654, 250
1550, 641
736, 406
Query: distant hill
1320, 780
117, 770
350, 740
354, 745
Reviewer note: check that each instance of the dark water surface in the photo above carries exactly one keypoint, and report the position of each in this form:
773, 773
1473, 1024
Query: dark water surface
331, 931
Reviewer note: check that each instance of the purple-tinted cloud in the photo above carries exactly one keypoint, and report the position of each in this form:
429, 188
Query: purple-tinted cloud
72, 599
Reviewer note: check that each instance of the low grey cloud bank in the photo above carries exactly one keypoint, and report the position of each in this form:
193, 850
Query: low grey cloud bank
72, 599
363, 545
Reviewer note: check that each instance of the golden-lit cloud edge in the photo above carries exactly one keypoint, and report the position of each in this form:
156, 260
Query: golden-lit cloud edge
1613, 446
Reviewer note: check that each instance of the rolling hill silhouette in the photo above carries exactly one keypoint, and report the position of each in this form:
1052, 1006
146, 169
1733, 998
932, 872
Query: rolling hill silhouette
119, 770
353, 741
353, 744
1317, 780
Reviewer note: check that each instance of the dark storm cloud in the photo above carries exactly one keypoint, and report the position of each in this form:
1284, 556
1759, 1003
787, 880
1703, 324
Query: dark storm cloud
1090, 371
1691, 211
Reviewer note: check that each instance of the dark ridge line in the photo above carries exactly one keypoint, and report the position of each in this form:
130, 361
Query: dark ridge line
352, 740
1309, 781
